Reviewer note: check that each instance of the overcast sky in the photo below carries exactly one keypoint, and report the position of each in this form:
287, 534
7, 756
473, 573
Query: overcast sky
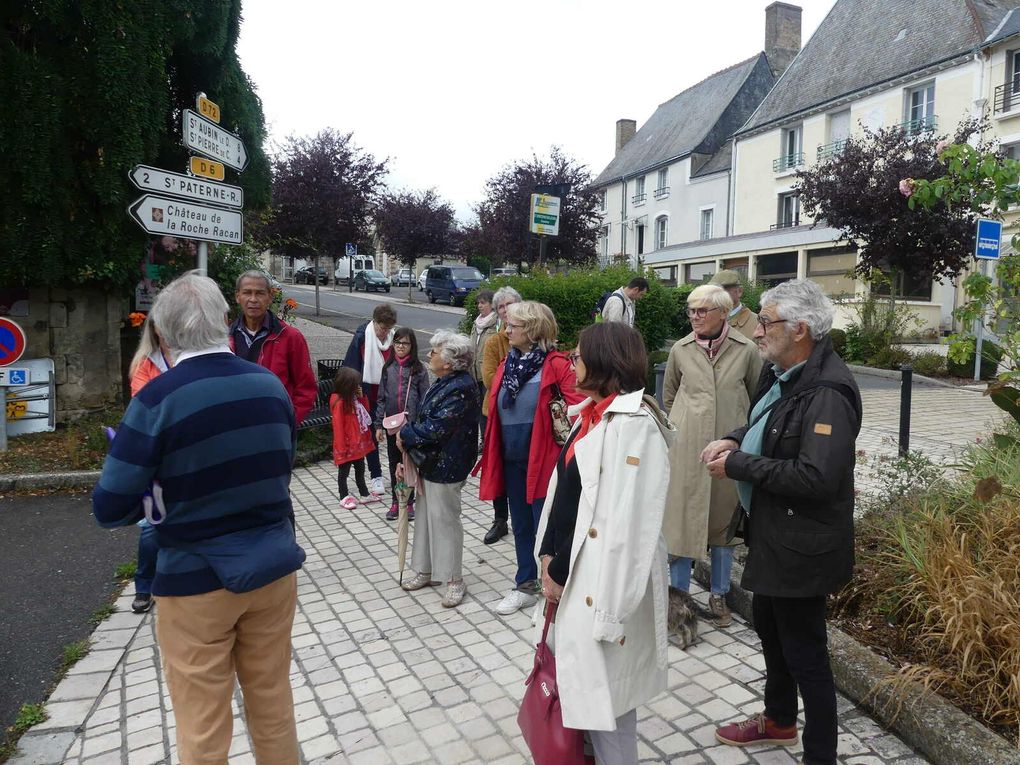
452, 90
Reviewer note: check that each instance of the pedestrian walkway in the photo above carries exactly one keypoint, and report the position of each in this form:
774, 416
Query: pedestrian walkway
384, 676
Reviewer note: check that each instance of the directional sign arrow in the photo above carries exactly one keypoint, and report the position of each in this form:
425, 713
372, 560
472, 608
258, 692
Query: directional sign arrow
187, 220
179, 185
210, 140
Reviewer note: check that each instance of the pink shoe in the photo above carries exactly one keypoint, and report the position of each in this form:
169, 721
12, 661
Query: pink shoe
348, 502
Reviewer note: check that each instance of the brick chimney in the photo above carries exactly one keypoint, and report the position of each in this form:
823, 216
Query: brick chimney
625, 130
782, 35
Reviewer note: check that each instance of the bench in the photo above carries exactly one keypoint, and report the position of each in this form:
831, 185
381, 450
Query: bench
320, 414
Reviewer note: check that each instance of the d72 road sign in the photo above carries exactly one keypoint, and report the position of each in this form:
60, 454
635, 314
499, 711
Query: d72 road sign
179, 185
175, 217
210, 140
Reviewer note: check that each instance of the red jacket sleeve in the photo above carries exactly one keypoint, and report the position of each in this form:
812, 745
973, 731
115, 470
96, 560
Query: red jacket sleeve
304, 387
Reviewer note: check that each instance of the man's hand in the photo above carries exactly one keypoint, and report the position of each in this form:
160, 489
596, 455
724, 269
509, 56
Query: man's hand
717, 467
716, 448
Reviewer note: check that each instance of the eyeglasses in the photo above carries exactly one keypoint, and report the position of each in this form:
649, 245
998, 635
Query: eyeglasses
514, 326
574, 358
766, 323
701, 313
406, 343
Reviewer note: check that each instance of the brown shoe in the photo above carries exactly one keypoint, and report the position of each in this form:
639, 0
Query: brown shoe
721, 615
756, 730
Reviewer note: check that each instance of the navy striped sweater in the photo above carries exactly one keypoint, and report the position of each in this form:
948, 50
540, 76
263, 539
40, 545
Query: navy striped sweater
217, 432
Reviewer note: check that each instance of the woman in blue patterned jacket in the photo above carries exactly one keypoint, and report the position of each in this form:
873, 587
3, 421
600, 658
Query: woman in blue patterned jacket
442, 442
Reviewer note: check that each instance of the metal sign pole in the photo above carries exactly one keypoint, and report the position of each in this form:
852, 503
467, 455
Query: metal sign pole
3, 419
979, 332
203, 258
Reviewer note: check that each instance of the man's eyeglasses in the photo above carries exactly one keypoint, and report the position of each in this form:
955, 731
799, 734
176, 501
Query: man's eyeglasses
701, 313
766, 323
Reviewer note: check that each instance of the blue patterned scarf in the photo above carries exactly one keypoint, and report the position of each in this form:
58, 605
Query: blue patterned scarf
520, 367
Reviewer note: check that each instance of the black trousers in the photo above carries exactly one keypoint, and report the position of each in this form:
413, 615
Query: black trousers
394, 456
374, 463
796, 650
342, 473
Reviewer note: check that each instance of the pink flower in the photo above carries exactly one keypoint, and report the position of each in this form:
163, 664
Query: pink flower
907, 187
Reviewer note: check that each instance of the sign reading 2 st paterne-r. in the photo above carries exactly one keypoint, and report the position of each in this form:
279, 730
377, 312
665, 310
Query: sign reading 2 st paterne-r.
179, 185
209, 139
187, 220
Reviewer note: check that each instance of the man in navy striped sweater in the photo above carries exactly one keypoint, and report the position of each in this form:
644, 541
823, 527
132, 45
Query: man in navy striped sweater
214, 436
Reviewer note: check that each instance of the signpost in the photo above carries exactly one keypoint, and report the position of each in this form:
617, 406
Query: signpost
176, 184
207, 168
210, 140
352, 252
166, 216
545, 214
12, 341
987, 243
207, 108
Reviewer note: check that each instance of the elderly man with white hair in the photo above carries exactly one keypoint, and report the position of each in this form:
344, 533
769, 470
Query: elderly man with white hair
442, 443
794, 467
209, 444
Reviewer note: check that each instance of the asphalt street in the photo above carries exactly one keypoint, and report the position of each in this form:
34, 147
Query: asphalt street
56, 570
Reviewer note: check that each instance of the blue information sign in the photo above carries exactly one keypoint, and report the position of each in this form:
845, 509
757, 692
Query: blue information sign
988, 239
352, 250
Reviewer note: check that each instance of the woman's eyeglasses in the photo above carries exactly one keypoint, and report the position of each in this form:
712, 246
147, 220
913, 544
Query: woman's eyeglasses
701, 313
403, 343
574, 358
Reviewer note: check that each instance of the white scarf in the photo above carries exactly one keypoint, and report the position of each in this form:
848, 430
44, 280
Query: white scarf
371, 370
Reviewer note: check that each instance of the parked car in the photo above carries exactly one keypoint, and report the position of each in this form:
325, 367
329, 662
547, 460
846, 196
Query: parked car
371, 281
344, 267
451, 283
498, 272
404, 278
305, 275
421, 279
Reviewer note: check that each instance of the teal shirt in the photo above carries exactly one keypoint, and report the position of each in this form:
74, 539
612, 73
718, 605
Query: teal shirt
755, 435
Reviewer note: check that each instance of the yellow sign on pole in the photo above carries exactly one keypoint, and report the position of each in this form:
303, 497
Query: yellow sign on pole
207, 168
208, 109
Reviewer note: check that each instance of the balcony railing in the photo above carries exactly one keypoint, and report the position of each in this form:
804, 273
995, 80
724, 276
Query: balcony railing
831, 149
920, 125
662, 192
638, 199
1007, 97
785, 224
787, 161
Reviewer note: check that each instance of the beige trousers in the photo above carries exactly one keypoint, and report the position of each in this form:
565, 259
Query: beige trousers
205, 641
438, 532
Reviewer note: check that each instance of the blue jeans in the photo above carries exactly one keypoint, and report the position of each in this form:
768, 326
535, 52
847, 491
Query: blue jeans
722, 563
148, 549
524, 520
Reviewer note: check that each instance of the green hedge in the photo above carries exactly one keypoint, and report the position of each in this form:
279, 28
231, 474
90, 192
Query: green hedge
572, 297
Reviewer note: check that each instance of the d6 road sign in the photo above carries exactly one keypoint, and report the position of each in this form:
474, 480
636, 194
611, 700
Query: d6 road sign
175, 217
164, 182
210, 140
207, 168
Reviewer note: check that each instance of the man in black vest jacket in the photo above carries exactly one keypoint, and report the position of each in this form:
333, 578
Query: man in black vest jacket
794, 467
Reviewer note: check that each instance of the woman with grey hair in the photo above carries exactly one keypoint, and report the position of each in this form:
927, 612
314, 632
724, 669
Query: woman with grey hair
496, 349
710, 377
442, 444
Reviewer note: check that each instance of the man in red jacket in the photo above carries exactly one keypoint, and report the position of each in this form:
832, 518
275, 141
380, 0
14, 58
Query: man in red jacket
258, 336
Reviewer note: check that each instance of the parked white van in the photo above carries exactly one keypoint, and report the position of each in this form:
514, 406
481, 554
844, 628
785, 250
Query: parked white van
343, 267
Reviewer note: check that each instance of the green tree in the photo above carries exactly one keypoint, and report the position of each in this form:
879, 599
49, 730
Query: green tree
90, 89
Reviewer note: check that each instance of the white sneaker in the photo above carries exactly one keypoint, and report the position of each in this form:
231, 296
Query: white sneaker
514, 601
375, 486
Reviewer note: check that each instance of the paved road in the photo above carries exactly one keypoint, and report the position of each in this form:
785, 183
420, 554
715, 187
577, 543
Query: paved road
56, 569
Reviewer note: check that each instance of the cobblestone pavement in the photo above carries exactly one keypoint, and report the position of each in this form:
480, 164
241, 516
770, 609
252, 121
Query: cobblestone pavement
385, 676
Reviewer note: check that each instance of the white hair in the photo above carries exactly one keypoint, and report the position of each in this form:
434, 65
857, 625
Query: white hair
191, 314
802, 300
710, 295
505, 295
253, 274
453, 348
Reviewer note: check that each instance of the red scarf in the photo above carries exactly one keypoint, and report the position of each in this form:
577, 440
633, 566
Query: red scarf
590, 417
712, 346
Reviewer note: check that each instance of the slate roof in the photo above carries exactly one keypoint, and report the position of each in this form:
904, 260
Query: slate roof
682, 124
719, 161
1008, 27
862, 43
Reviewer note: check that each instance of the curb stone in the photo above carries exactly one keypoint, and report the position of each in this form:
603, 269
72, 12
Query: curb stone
891, 374
924, 720
68, 479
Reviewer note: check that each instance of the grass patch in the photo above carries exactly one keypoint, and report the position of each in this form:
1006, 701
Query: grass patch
28, 715
80, 445
125, 572
313, 445
73, 653
937, 586
102, 613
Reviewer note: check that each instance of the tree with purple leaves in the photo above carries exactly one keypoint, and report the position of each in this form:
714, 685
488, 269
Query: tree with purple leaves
413, 224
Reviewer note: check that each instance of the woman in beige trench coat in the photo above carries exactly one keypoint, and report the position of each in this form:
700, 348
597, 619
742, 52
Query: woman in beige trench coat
710, 378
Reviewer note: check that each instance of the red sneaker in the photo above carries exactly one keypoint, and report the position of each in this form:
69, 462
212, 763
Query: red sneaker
756, 730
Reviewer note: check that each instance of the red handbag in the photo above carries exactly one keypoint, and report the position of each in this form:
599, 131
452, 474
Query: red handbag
540, 718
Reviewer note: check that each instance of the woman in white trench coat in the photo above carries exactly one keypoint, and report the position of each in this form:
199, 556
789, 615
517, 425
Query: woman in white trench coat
601, 547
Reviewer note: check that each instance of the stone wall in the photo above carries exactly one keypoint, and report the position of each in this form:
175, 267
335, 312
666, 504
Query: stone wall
80, 330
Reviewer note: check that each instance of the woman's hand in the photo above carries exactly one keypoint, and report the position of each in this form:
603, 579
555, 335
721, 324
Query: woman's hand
380, 435
400, 471
715, 449
400, 443
552, 591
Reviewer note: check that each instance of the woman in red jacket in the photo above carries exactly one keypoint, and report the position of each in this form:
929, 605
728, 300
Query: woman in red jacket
520, 452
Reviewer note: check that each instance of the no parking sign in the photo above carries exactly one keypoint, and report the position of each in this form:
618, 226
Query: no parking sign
12, 341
